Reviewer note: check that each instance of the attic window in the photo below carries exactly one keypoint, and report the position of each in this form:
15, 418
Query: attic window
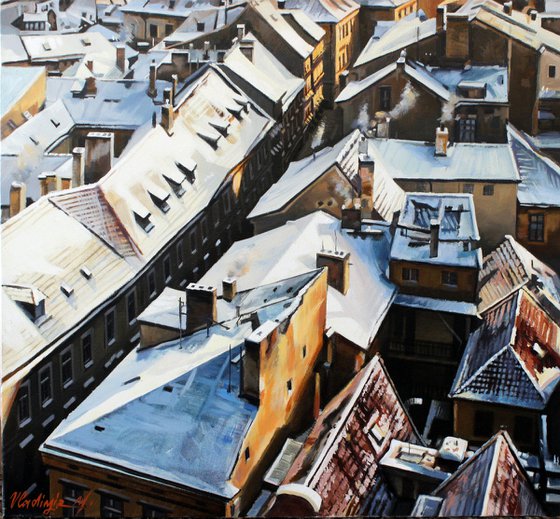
538, 350
84, 271
67, 290
235, 111
34, 141
142, 217
241, 101
374, 430
188, 170
85, 41
55, 123
131, 380
176, 183
99, 428
210, 138
168, 389
46, 46
199, 26
220, 126
159, 197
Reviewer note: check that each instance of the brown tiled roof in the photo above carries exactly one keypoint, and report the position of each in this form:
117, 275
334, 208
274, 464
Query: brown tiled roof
340, 457
514, 357
492, 482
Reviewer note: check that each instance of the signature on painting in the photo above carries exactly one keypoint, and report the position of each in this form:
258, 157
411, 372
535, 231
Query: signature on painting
23, 501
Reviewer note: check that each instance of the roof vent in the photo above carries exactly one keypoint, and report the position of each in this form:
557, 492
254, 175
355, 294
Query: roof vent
66, 289
86, 42
84, 271
188, 169
175, 180
142, 217
159, 197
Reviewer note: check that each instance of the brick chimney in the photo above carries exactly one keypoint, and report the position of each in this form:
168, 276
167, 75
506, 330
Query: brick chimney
351, 217
152, 90
508, 6
78, 166
89, 65
442, 140
121, 57
43, 184
18, 194
91, 87
167, 118
201, 307
229, 289
338, 265
366, 168
99, 151
434, 238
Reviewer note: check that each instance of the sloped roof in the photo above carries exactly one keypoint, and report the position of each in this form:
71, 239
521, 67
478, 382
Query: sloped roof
511, 266
513, 358
301, 174
307, 24
340, 457
491, 483
540, 176
166, 411
325, 11
14, 82
292, 248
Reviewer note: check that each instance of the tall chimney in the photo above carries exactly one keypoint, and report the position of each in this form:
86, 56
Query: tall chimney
99, 152
442, 140
65, 183
18, 194
121, 57
168, 95
201, 307
174, 85
351, 218
401, 62
167, 118
43, 183
206, 49
281, 4
366, 167
152, 90
240, 31
229, 289
440, 18
91, 87
338, 265
434, 238
78, 166
508, 6
89, 65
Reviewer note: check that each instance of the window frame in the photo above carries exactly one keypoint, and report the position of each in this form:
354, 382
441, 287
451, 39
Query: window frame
87, 364
408, 277
151, 280
552, 71
26, 386
468, 188
180, 254
110, 341
167, 273
384, 99
104, 497
535, 230
488, 190
131, 295
445, 278
45, 402
66, 383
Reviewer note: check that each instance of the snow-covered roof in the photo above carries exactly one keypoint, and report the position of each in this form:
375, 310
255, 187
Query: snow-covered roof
516, 25
12, 49
540, 175
264, 72
325, 11
302, 174
513, 358
307, 24
415, 160
455, 215
47, 46
511, 266
436, 305
399, 36
546, 140
492, 482
165, 411
292, 248
14, 82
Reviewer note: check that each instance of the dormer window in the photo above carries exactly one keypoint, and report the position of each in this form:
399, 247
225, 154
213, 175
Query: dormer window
188, 169
84, 271
235, 111
220, 126
175, 181
66, 289
142, 217
159, 197
210, 137
85, 41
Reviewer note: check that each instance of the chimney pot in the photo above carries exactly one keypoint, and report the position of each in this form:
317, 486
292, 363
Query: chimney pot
201, 307
78, 166
434, 238
121, 57
43, 183
167, 118
338, 266
508, 6
18, 194
152, 90
91, 87
229, 289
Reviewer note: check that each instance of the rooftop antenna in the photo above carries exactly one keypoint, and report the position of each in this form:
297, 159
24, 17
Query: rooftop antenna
181, 313
229, 371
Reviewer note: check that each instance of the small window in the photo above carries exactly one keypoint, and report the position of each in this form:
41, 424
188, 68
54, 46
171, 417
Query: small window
523, 430
45, 385
87, 349
385, 98
409, 274
204, 229
227, 202
488, 190
152, 283
72, 496
247, 454
200, 26
66, 368
449, 278
192, 240
131, 307
468, 188
153, 31
216, 214
168, 29
111, 506
167, 268
24, 404
179, 251
536, 227
483, 424
552, 71
304, 351
159, 198
110, 327
289, 387
144, 221
153, 512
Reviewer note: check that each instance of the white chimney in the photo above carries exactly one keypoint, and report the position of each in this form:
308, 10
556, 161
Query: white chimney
78, 166
240, 31
442, 140
18, 194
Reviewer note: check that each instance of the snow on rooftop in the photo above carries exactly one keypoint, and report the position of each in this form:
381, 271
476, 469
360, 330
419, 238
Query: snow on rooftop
14, 83
324, 11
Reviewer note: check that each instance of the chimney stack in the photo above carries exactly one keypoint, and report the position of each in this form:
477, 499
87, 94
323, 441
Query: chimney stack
229, 289
281, 4
152, 90
201, 307
402, 59
43, 183
440, 18
18, 194
338, 265
167, 118
442, 140
366, 167
351, 218
240, 31
78, 166
168, 95
383, 128
174, 85
121, 57
91, 87
99, 151
434, 238
508, 6
534, 14
89, 65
